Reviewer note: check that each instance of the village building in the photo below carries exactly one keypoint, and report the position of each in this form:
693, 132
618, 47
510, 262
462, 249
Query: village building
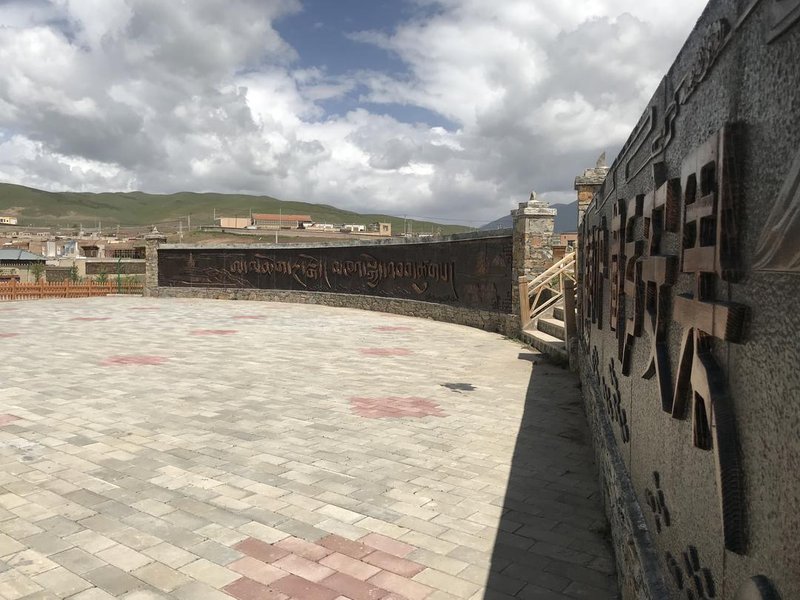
16, 264
280, 221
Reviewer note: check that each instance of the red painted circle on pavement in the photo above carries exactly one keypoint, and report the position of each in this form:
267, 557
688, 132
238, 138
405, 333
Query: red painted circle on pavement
391, 406
214, 331
6, 419
8, 335
385, 351
133, 359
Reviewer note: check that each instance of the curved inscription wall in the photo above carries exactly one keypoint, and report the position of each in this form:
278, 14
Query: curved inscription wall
474, 273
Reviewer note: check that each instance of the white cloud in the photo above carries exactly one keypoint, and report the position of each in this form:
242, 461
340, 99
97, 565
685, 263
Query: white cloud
206, 95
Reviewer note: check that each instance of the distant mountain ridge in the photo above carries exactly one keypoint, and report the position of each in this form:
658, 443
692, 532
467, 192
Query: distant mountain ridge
566, 219
41, 208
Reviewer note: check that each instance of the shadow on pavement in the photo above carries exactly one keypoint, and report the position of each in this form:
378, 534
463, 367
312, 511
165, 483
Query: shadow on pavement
552, 539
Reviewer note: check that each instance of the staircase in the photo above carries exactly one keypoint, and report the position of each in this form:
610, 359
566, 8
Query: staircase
548, 334
543, 317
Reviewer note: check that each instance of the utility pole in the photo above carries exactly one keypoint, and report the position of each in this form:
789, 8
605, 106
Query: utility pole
280, 220
189, 223
180, 229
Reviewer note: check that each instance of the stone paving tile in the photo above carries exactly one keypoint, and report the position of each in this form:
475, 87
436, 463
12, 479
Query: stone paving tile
211, 450
248, 589
350, 566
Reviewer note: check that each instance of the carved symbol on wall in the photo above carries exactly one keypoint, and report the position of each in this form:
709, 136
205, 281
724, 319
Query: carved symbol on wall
785, 13
632, 285
696, 581
756, 588
617, 277
643, 130
716, 36
596, 271
709, 250
614, 402
658, 272
778, 248
419, 289
658, 504
596, 362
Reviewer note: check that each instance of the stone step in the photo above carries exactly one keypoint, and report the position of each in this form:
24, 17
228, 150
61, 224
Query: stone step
552, 326
546, 343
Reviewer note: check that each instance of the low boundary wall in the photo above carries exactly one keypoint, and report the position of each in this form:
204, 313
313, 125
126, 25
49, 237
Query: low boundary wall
465, 279
505, 324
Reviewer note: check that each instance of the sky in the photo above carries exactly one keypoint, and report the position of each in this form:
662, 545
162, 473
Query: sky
453, 110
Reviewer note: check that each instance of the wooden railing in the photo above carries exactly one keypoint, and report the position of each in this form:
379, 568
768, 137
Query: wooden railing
35, 291
545, 290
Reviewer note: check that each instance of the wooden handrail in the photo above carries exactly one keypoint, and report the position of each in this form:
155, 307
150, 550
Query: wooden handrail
563, 264
530, 292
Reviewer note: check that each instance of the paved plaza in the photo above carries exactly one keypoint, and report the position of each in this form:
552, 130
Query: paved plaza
204, 450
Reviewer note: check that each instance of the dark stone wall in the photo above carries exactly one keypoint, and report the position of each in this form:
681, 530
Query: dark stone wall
689, 327
125, 267
473, 273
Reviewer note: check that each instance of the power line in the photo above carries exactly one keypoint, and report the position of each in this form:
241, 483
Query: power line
418, 217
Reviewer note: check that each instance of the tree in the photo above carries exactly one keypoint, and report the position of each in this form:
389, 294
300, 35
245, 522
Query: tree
37, 270
74, 275
102, 277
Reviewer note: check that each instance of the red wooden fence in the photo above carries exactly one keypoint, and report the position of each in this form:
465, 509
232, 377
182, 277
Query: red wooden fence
34, 291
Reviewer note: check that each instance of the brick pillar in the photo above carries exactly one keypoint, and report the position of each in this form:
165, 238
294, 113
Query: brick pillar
151, 243
534, 222
588, 183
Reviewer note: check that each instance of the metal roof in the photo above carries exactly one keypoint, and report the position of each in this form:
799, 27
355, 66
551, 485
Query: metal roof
19, 255
279, 217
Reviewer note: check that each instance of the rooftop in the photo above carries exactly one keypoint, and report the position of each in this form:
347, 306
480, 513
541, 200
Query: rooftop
15, 254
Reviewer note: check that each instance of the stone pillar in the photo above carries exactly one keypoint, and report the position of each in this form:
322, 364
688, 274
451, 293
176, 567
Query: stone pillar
534, 222
588, 183
151, 243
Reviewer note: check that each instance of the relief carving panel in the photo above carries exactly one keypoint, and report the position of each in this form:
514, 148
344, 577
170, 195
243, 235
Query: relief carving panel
469, 273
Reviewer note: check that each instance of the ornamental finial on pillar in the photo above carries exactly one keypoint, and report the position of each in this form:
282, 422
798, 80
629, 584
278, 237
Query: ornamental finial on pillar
601, 161
534, 207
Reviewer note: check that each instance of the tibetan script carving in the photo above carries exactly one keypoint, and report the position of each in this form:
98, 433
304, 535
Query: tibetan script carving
658, 272
701, 207
613, 398
617, 253
469, 273
632, 285
596, 270
709, 251
716, 36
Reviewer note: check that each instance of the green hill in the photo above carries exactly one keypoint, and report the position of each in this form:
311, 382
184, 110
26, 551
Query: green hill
39, 208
